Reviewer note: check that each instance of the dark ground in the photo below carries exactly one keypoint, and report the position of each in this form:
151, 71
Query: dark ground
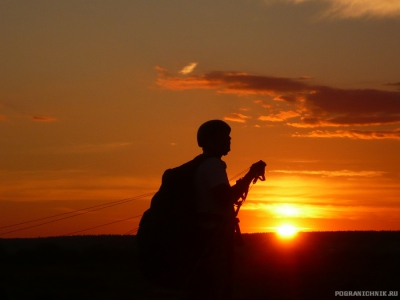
310, 266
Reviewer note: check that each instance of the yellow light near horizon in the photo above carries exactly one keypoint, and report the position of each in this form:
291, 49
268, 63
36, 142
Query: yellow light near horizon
286, 210
286, 231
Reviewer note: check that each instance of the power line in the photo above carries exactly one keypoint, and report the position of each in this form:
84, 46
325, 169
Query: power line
136, 229
131, 231
77, 210
88, 211
102, 225
239, 174
232, 178
82, 209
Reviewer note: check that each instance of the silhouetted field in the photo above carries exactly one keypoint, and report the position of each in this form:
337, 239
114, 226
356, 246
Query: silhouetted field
310, 266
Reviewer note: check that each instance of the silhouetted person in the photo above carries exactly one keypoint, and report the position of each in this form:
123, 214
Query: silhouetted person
215, 198
185, 239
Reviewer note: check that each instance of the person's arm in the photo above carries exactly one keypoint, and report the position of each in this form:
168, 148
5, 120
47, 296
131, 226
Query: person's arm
230, 195
257, 170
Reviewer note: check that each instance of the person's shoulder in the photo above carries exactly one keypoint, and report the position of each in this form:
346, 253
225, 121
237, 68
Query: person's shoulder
213, 162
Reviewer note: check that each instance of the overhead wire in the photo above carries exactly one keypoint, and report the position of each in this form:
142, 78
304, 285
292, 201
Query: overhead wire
230, 179
102, 225
89, 210
239, 174
82, 209
131, 231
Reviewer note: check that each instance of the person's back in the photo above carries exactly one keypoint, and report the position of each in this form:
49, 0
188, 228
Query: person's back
167, 231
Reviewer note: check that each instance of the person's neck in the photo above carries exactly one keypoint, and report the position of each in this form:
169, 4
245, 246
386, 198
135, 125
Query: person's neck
212, 154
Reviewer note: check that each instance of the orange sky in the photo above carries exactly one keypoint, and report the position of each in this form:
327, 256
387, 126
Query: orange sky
97, 99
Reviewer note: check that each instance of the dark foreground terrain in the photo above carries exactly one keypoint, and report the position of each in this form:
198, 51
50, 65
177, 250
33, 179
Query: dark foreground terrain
310, 266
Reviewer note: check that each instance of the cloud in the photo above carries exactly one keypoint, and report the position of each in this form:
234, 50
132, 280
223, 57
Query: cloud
305, 77
232, 83
363, 8
353, 134
324, 173
188, 69
263, 103
236, 117
43, 119
393, 84
326, 106
162, 70
347, 9
280, 117
316, 105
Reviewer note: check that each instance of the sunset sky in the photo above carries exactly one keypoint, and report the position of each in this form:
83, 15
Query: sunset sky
98, 98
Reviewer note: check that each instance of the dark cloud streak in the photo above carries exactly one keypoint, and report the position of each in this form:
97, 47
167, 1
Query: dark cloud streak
317, 105
397, 84
43, 119
353, 134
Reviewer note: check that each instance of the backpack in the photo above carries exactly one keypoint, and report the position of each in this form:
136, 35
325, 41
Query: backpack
166, 238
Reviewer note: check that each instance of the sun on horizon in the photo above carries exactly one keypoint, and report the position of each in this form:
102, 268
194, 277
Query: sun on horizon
286, 231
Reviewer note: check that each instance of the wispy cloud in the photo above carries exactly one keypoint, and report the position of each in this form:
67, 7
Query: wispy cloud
363, 8
347, 9
324, 173
396, 84
316, 105
353, 107
42, 119
262, 103
238, 83
353, 134
280, 117
236, 117
161, 70
188, 69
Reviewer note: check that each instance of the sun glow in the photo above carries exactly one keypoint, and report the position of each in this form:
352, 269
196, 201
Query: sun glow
286, 231
286, 210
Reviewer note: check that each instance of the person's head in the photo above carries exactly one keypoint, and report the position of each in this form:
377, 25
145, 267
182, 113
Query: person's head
213, 137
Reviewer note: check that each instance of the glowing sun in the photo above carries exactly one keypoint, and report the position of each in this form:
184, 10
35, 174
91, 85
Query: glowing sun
286, 231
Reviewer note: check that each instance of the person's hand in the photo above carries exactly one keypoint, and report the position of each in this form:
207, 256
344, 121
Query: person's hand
257, 170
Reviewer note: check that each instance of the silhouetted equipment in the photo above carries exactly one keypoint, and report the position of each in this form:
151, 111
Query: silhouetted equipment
167, 243
238, 204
